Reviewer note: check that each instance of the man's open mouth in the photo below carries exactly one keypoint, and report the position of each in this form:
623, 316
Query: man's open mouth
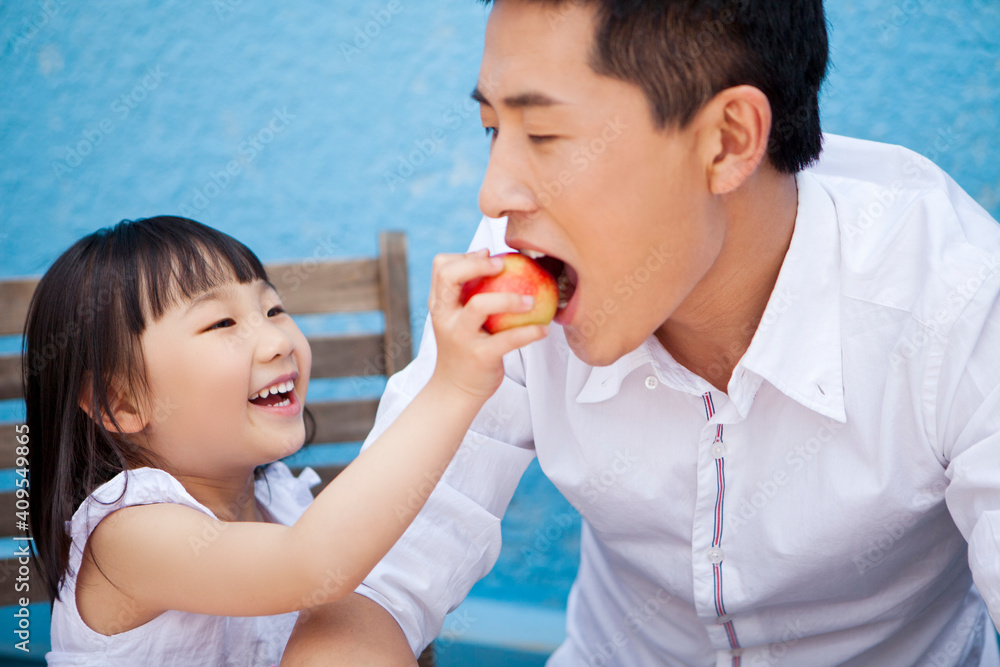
564, 274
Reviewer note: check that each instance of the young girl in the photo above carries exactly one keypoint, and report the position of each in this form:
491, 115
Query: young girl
161, 372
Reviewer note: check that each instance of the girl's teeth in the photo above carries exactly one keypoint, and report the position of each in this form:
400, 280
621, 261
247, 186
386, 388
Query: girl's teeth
282, 388
533, 254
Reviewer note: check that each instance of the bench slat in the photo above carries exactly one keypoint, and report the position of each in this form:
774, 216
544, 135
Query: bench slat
8, 453
347, 356
9, 573
10, 376
343, 421
14, 300
395, 300
347, 286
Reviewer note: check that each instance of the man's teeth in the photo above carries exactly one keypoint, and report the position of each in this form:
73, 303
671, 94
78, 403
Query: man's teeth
533, 254
565, 287
279, 388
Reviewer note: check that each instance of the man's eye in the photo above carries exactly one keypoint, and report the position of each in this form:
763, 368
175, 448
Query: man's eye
222, 324
277, 310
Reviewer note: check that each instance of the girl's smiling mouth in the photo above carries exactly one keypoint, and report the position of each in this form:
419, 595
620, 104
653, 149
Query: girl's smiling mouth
278, 396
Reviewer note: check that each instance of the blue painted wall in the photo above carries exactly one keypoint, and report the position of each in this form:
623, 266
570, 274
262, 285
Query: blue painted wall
302, 129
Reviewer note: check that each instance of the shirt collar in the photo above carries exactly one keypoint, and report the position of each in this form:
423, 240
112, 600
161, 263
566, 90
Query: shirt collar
603, 382
797, 345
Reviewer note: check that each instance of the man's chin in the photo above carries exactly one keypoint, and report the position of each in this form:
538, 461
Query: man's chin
594, 349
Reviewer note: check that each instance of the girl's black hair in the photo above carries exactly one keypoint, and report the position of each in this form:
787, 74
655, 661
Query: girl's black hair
83, 341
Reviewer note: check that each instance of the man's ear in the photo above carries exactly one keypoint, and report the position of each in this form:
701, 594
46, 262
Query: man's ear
736, 127
127, 417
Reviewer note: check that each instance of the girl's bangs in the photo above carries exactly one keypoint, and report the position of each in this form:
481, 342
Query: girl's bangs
177, 258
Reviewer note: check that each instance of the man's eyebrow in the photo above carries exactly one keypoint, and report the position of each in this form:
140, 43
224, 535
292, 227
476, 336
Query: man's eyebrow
531, 99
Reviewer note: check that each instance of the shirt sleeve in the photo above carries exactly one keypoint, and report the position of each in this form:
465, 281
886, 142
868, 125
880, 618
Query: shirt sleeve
967, 424
455, 539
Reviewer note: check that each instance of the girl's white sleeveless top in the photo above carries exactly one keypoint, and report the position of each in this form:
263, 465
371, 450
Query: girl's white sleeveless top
174, 637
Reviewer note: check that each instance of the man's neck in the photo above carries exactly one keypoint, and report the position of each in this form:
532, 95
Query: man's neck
713, 327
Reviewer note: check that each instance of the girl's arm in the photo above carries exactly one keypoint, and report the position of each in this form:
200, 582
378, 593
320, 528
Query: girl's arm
167, 556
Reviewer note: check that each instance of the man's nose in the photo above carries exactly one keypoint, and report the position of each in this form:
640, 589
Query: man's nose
506, 187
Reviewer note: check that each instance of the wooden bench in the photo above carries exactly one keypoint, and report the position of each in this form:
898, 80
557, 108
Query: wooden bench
310, 287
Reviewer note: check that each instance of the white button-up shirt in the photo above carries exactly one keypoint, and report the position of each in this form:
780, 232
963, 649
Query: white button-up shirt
825, 510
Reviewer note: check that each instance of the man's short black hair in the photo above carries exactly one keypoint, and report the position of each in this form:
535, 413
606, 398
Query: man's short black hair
682, 52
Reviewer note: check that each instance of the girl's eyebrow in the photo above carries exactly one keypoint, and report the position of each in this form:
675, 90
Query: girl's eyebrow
219, 293
214, 294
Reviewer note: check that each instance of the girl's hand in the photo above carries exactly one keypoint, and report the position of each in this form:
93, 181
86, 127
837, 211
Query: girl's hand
469, 358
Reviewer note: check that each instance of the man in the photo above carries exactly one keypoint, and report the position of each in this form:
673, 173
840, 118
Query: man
791, 374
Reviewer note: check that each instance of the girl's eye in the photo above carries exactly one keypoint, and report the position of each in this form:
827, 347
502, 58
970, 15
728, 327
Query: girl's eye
222, 324
277, 310
492, 132
540, 139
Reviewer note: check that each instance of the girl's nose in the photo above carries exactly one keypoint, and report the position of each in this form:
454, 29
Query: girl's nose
273, 341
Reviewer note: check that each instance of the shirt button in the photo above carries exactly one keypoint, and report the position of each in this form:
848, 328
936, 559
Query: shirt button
725, 618
652, 382
718, 451
714, 555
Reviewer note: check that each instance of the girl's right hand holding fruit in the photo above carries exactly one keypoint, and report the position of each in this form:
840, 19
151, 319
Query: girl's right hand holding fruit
468, 357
